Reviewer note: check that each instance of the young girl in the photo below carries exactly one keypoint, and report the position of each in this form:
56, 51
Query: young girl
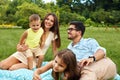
64, 67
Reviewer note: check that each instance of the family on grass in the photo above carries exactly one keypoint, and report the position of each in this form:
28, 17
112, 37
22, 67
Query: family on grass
83, 59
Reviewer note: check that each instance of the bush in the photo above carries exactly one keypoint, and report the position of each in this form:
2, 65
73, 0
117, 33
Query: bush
66, 17
100, 15
114, 17
89, 23
24, 23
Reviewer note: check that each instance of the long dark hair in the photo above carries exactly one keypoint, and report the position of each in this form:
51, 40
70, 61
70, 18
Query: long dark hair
54, 28
72, 69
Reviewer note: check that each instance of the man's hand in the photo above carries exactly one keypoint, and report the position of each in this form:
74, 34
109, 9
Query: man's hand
86, 62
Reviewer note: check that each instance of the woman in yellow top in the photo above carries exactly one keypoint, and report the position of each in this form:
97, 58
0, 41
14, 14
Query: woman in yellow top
50, 36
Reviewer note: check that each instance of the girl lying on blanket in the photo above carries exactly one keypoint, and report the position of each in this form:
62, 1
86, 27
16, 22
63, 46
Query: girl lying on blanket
64, 67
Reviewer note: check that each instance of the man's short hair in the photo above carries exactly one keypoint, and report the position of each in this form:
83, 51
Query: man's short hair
79, 26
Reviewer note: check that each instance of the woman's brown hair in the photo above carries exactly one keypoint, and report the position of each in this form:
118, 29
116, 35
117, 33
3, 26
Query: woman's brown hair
54, 28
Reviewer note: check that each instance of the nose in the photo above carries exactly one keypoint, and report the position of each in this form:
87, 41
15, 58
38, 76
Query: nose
68, 31
56, 66
48, 21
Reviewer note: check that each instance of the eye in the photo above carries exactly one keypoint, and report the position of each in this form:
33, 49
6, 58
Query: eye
55, 61
71, 29
52, 20
60, 65
33, 25
47, 18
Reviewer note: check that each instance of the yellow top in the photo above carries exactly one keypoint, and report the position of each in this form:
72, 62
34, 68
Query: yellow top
33, 38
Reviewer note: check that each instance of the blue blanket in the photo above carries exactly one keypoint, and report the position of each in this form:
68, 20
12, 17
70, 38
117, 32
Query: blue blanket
23, 74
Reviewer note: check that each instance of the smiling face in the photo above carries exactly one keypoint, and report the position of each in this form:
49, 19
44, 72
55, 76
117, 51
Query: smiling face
49, 22
35, 25
59, 65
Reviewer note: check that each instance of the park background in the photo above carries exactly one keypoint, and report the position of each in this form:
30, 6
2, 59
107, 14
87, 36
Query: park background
101, 18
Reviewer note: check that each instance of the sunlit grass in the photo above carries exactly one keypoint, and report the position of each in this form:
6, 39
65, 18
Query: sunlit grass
108, 38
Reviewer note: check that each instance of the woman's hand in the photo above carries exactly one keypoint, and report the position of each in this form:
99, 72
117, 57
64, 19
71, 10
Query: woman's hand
22, 47
19, 47
36, 75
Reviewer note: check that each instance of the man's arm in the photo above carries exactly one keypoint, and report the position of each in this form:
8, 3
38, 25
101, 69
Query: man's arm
99, 54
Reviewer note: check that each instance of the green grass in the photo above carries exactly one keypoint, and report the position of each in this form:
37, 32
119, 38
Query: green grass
8, 41
108, 38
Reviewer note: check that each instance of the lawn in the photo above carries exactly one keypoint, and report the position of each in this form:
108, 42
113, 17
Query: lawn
107, 37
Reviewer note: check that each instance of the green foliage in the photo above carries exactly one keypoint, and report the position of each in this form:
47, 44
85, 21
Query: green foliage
96, 10
25, 10
113, 17
100, 15
66, 17
89, 23
24, 23
3, 7
65, 8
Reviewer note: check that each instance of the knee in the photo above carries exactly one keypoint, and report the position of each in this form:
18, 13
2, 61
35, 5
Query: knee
13, 67
41, 57
3, 65
112, 68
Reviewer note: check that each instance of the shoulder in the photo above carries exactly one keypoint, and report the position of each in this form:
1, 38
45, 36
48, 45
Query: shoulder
41, 29
29, 30
89, 40
25, 32
51, 34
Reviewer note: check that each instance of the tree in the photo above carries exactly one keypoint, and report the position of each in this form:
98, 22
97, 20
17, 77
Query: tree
3, 7
25, 10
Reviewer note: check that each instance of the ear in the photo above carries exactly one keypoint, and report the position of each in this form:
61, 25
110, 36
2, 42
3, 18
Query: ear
79, 33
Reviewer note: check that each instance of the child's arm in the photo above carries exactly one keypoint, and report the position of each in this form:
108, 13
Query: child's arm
23, 38
42, 70
21, 45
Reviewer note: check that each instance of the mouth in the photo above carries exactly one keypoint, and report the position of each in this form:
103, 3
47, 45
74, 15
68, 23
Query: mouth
35, 29
47, 24
55, 70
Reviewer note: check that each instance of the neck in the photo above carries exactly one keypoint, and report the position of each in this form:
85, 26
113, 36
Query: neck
76, 40
47, 30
